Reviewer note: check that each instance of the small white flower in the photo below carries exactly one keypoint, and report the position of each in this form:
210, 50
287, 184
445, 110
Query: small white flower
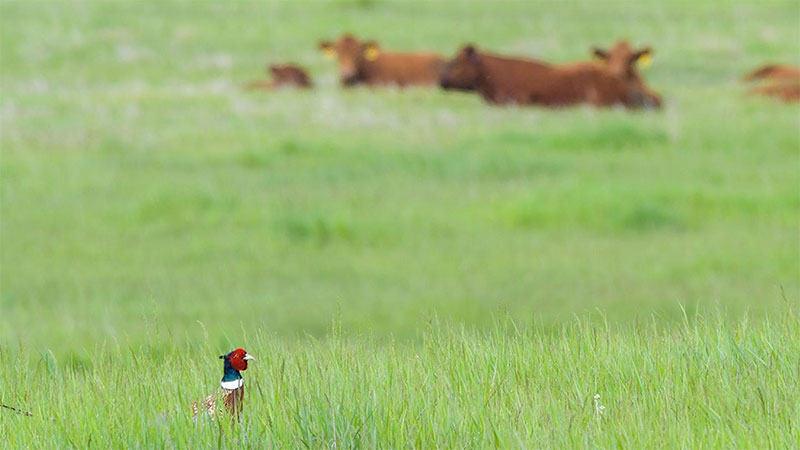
598, 408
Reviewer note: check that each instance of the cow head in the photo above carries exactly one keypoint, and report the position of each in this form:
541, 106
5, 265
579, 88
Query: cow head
463, 72
622, 61
352, 55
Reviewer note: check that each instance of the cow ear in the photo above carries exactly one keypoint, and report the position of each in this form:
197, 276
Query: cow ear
599, 53
327, 49
644, 57
371, 50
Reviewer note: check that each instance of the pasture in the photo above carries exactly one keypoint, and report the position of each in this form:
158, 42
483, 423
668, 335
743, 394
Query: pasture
411, 267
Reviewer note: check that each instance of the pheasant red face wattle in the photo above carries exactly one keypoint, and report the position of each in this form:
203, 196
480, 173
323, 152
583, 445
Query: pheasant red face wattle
239, 359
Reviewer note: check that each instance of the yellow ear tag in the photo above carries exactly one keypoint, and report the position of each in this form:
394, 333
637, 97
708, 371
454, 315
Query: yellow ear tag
645, 60
328, 53
371, 53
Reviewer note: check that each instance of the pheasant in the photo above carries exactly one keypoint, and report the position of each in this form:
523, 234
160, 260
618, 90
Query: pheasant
231, 386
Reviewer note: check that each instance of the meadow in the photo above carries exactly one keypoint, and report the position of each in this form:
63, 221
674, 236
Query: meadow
413, 268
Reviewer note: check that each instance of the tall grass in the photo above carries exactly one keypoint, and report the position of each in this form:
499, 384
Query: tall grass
709, 382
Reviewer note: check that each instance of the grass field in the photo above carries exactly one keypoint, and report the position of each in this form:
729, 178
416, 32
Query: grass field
373, 247
703, 384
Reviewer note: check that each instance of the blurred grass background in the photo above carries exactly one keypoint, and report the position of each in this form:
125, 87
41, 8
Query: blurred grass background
141, 187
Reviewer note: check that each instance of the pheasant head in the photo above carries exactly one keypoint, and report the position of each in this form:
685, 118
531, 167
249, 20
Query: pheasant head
234, 363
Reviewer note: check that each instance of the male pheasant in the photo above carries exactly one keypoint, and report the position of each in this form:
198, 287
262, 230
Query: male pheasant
231, 386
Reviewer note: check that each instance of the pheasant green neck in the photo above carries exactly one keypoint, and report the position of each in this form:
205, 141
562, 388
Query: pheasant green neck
231, 378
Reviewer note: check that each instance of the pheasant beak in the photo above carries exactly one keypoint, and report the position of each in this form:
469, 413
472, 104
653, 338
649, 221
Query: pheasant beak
248, 357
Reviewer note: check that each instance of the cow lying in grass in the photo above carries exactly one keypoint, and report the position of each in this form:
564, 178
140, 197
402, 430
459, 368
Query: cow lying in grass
622, 61
367, 63
499, 79
283, 75
780, 81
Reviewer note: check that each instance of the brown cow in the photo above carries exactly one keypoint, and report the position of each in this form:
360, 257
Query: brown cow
523, 81
622, 60
365, 62
782, 82
774, 72
283, 75
788, 92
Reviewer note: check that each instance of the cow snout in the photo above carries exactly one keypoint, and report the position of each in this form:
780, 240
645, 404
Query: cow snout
652, 101
643, 99
350, 80
348, 72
